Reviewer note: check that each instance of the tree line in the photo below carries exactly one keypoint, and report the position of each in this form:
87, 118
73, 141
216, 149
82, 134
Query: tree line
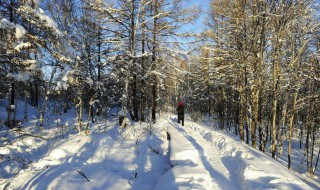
259, 74
94, 54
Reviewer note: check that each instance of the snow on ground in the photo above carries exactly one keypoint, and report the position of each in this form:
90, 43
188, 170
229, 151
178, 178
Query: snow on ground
107, 163
189, 172
137, 157
134, 159
298, 160
230, 163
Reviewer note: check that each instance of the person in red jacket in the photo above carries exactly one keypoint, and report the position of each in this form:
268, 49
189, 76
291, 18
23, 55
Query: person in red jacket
180, 111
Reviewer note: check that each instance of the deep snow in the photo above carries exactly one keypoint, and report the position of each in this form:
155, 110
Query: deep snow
137, 157
207, 159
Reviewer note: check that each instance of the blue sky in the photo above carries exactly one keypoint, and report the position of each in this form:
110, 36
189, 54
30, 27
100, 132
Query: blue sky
197, 26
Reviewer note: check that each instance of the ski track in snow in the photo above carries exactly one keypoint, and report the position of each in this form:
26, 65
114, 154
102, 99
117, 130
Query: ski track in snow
106, 162
231, 164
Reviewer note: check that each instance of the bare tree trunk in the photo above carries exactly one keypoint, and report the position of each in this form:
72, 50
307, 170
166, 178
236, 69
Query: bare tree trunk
260, 125
31, 95
99, 53
76, 108
314, 127
274, 108
266, 132
246, 109
282, 133
143, 82
221, 109
15, 112
25, 118
255, 111
142, 100
241, 118
10, 122
133, 64
315, 167
295, 96
301, 134
307, 146
10, 108
44, 104
36, 85
209, 98
89, 115
154, 50
154, 98
80, 113
208, 81
36, 95
312, 149
134, 98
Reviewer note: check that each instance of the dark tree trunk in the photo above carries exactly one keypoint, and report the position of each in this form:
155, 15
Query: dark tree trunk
143, 82
142, 100
134, 98
31, 95
307, 141
241, 113
99, 54
301, 134
91, 113
247, 126
12, 93
10, 123
36, 98
154, 97
315, 167
260, 125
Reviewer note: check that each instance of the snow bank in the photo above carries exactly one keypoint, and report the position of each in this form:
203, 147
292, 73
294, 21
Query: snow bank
248, 167
189, 171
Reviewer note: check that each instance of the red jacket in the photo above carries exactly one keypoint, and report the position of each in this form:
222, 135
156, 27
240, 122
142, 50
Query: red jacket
180, 109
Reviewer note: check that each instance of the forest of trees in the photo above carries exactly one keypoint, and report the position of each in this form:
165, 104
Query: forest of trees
254, 69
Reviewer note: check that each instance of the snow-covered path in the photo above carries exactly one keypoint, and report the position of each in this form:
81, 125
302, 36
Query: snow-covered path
221, 177
207, 159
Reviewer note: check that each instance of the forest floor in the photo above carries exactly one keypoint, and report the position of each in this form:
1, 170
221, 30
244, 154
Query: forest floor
164, 155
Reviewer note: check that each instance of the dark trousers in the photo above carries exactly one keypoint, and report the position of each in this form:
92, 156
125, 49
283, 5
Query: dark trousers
181, 118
